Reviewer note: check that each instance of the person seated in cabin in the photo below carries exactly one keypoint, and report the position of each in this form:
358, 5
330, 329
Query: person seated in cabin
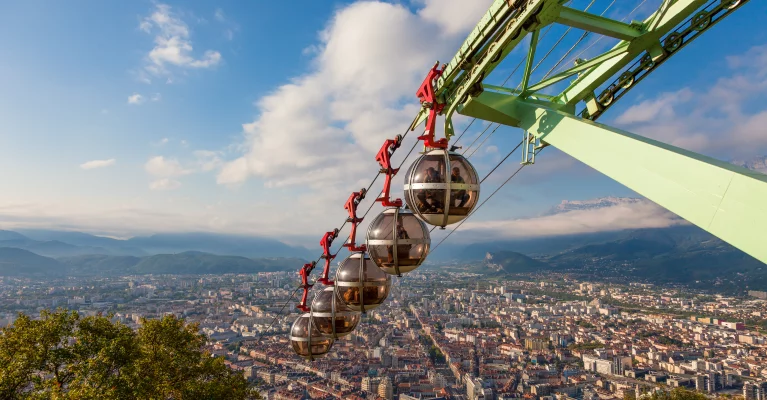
458, 195
403, 250
427, 199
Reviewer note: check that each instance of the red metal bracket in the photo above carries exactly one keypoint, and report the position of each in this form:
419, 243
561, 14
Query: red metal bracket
428, 99
384, 159
304, 272
351, 206
325, 242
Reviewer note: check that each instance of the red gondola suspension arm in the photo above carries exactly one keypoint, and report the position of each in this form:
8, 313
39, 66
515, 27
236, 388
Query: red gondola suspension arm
351, 206
428, 97
304, 272
384, 159
325, 242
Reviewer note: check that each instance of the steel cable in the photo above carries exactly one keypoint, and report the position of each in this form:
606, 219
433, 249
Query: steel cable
480, 205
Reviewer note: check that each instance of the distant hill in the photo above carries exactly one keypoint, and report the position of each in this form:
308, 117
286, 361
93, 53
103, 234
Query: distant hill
52, 248
16, 262
100, 265
190, 262
510, 262
245, 246
166, 243
11, 235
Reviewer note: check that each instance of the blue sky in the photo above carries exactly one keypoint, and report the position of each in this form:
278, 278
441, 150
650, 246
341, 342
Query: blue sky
258, 117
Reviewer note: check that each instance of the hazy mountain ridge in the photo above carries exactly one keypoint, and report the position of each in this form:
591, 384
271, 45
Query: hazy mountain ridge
686, 255
18, 262
758, 164
166, 243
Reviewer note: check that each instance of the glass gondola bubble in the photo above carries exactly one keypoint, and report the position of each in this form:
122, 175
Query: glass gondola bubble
307, 341
397, 241
441, 187
332, 316
361, 284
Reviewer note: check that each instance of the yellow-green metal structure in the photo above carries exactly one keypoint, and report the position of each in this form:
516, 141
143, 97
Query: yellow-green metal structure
727, 201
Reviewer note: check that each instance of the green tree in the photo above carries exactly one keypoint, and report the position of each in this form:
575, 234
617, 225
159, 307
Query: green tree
677, 394
64, 356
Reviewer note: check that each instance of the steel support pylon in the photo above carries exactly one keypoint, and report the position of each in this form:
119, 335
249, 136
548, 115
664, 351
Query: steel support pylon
728, 201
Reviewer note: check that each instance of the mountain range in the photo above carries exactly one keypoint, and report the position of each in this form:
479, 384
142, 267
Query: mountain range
57, 253
52, 243
18, 262
676, 255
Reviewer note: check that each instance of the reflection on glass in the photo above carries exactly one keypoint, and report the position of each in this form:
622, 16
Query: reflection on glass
373, 282
305, 346
328, 310
397, 245
443, 188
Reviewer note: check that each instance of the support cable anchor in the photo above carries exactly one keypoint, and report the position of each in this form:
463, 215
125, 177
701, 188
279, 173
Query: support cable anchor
384, 159
325, 242
304, 272
351, 206
428, 96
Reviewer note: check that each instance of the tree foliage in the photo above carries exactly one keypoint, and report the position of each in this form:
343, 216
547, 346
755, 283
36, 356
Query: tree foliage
64, 356
677, 394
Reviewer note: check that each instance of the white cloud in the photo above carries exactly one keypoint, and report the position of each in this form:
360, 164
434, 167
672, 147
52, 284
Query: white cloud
219, 15
173, 46
136, 99
633, 215
323, 128
718, 120
208, 160
661, 107
453, 16
165, 184
156, 97
165, 167
98, 164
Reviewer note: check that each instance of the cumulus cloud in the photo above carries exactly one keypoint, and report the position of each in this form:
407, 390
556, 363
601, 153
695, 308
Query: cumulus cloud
452, 16
173, 44
164, 184
98, 164
322, 127
207, 160
626, 215
165, 167
661, 107
136, 99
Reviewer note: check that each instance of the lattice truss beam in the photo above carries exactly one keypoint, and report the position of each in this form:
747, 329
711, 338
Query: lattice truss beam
728, 201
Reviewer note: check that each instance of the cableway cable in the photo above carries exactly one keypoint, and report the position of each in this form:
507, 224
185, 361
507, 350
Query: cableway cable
372, 203
601, 37
279, 313
481, 204
580, 39
491, 171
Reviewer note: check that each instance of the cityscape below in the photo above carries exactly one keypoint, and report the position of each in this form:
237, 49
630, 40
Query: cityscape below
449, 334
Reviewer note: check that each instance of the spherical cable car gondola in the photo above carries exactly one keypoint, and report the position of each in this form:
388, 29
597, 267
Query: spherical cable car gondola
361, 284
307, 341
332, 316
433, 198
397, 241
